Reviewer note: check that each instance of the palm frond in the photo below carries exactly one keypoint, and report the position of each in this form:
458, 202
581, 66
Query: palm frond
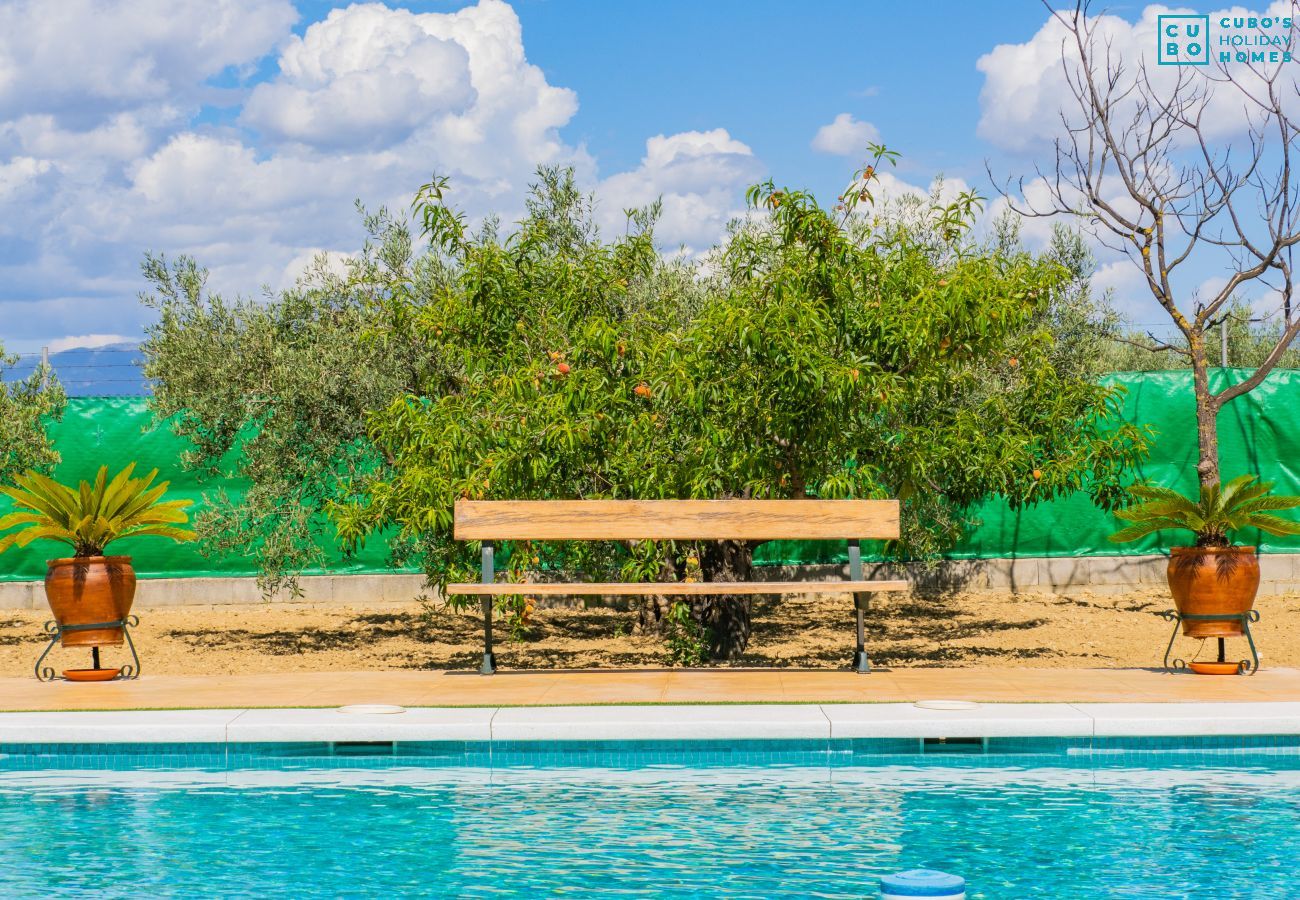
20, 518
94, 514
1243, 502
176, 534
1264, 504
1274, 525
1155, 492
1228, 492
1142, 529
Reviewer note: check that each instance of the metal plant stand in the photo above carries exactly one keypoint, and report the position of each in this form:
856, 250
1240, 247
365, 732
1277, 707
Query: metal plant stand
56, 632
1244, 667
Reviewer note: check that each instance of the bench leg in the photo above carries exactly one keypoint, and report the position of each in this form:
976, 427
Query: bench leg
489, 666
489, 575
861, 664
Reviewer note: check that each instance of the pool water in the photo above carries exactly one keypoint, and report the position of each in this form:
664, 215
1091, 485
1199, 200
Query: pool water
1062, 825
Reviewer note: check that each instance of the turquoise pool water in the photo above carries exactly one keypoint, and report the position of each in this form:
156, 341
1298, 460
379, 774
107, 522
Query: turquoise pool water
1062, 819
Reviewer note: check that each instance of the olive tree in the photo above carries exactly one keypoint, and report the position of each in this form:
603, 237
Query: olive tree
275, 393
28, 406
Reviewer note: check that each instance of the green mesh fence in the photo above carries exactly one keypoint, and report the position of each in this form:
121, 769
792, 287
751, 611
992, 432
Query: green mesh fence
114, 431
1258, 433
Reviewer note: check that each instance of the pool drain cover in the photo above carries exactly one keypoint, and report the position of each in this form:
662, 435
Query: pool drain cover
946, 704
372, 709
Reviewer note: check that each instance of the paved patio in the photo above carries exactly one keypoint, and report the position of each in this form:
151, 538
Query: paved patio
650, 686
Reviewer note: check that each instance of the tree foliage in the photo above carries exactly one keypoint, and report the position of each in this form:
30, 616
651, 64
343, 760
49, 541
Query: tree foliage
27, 408
851, 352
276, 393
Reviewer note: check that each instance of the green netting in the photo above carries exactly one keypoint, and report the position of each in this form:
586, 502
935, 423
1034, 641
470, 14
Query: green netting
1258, 433
114, 431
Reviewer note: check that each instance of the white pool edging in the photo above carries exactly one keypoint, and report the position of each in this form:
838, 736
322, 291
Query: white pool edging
595, 723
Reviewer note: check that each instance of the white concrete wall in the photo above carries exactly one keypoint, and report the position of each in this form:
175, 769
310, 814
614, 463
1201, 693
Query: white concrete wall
152, 593
1280, 573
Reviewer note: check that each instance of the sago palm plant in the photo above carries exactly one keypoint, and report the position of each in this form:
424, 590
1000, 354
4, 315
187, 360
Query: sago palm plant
1243, 502
91, 517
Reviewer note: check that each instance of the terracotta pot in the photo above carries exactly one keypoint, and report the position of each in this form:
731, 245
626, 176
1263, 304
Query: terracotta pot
87, 590
1213, 581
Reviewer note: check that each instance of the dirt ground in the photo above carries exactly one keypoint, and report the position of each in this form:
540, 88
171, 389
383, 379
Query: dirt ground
974, 628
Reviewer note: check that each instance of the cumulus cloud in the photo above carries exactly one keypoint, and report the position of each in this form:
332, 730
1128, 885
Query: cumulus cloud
700, 176
845, 136
366, 76
105, 159
85, 60
102, 161
20, 172
889, 188
1130, 296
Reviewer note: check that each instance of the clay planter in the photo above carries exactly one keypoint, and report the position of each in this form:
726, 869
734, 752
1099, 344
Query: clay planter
87, 590
1213, 581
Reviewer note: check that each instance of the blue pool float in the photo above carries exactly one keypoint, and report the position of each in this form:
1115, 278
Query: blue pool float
923, 883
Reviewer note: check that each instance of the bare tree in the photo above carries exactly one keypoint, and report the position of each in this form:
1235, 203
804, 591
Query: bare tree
1138, 161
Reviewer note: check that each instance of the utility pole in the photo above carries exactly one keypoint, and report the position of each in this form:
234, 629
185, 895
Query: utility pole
1223, 341
45, 368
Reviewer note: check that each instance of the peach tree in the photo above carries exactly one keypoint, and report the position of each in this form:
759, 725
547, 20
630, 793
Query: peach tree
853, 352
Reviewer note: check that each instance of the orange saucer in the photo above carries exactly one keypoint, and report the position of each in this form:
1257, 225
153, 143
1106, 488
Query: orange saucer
91, 674
1214, 668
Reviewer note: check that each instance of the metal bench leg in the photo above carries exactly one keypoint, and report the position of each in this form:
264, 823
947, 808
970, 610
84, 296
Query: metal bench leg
861, 664
489, 575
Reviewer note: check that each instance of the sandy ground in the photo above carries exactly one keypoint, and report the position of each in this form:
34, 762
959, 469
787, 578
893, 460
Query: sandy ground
977, 628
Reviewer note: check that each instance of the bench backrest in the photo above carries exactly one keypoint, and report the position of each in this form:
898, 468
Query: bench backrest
614, 520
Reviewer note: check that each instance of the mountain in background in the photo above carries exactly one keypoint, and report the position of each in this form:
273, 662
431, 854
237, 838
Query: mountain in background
109, 371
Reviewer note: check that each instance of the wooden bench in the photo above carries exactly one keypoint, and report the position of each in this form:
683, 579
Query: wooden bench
701, 520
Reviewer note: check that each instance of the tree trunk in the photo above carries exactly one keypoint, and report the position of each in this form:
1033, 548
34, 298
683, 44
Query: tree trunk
726, 617
652, 614
1207, 415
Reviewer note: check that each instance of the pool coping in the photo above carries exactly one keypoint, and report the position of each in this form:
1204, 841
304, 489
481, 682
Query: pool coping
658, 723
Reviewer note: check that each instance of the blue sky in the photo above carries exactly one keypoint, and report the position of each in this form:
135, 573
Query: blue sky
241, 131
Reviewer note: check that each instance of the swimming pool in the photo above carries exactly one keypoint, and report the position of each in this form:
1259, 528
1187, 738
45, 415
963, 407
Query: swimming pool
1119, 817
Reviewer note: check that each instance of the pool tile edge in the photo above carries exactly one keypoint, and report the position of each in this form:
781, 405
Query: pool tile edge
660, 722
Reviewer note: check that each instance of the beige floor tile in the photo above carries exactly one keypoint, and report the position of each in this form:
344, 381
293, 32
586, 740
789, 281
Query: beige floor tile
416, 687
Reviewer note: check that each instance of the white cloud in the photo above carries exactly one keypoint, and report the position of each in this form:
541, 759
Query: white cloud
845, 136
1025, 88
87, 342
1131, 296
312, 260
701, 177
890, 188
366, 76
84, 60
102, 162
20, 172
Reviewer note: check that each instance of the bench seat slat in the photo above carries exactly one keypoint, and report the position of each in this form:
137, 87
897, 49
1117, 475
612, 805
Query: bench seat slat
646, 588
